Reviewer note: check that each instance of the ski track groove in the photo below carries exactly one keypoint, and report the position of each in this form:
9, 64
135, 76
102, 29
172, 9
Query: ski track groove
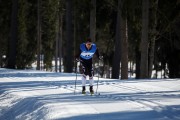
155, 106
147, 103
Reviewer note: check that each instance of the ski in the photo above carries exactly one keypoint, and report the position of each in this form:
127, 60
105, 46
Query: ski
90, 94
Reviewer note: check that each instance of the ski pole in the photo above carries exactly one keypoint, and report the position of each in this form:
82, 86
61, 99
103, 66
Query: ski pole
75, 80
98, 78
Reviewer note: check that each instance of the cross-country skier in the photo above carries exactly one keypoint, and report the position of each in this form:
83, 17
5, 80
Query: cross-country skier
85, 55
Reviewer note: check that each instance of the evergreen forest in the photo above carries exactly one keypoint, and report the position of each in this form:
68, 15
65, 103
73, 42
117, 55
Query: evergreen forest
135, 37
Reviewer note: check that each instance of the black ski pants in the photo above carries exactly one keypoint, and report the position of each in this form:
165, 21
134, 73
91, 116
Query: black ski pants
87, 68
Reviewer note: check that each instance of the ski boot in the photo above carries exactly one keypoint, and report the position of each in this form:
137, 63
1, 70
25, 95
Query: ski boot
91, 90
83, 90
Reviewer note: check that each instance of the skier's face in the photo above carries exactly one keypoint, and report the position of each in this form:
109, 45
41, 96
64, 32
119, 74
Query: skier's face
88, 45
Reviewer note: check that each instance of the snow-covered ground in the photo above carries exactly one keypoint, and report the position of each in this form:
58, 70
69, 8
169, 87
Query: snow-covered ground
38, 95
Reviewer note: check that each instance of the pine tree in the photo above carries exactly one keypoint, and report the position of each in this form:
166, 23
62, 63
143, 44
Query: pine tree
22, 41
49, 17
31, 32
13, 36
69, 37
124, 41
93, 20
39, 45
4, 28
117, 56
154, 34
144, 39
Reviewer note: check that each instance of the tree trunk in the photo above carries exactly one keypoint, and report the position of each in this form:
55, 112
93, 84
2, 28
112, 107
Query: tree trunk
39, 37
116, 57
0, 54
60, 41
124, 48
57, 45
144, 40
93, 20
69, 37
138, 61
13, 36
152, 45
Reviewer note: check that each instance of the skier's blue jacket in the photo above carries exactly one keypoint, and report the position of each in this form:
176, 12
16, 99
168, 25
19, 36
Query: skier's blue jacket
85, 53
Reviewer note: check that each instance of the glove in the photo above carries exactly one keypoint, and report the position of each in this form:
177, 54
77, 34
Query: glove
100, 57
77, 60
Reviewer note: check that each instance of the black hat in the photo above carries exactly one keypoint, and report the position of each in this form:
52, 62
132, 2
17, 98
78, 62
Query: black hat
88, 40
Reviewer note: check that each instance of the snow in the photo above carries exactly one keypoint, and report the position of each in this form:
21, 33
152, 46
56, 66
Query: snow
40, 95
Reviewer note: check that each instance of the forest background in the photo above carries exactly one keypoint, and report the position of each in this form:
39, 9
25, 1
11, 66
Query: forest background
134, 36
